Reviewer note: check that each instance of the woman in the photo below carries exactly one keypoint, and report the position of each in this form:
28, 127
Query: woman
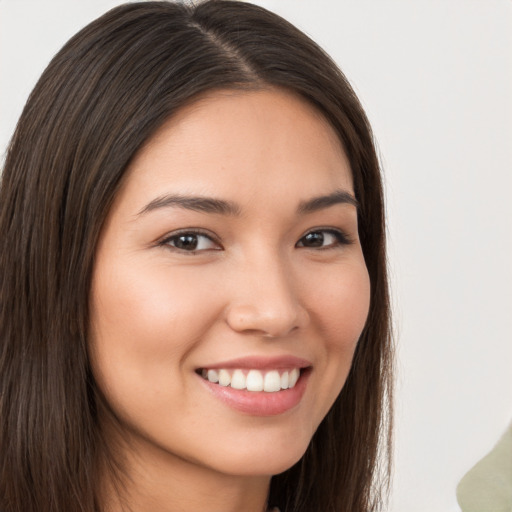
194, 298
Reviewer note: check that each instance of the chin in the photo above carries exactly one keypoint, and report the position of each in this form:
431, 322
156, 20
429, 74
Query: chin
271, 460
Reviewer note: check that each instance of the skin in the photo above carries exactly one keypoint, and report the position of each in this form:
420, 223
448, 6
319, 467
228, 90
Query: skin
253, 287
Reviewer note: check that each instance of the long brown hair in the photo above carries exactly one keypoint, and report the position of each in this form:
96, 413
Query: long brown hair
102, 96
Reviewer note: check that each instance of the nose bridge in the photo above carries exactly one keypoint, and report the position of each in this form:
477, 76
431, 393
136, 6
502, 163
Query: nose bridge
266, 299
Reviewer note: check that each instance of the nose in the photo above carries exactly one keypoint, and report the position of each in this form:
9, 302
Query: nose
265, 301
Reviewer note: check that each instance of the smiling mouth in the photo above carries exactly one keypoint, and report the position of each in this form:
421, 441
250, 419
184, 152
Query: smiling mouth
268, 381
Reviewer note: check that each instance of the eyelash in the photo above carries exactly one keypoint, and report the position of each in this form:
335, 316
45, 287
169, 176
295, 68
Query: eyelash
341, 239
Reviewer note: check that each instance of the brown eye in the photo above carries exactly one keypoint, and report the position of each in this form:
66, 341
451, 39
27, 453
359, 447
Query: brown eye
323, 239
190, 242
315, 239
186, 242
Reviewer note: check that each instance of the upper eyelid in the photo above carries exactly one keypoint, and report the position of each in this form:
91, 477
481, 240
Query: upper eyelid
323, 228
186, 231
328, 229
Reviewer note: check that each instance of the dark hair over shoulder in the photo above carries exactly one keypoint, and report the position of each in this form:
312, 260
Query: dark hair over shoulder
102, 96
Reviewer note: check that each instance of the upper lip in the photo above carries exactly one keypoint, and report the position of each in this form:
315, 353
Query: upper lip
262, 363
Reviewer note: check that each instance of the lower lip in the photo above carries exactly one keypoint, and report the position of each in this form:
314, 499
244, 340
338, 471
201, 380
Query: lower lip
259, 403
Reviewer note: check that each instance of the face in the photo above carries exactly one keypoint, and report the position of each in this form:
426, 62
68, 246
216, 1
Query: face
229, 288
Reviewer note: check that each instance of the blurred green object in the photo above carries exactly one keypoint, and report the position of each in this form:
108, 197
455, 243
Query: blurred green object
487, 486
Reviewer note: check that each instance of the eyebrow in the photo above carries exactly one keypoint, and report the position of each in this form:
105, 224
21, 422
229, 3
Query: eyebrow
223, 207
322, 202
196, 203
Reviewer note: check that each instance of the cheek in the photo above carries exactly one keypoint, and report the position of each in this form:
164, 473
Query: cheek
144, 323
340, 311
149, 310
341, 305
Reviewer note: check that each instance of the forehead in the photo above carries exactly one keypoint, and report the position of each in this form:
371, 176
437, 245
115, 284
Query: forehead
243, 143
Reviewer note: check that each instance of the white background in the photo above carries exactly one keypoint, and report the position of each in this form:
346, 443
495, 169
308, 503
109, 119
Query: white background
435, 77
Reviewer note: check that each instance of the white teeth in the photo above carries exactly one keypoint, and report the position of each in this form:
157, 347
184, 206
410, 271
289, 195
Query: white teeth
254, 380
238, 381
272, 381
284, 380
293, 377
224, 378
213, 376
